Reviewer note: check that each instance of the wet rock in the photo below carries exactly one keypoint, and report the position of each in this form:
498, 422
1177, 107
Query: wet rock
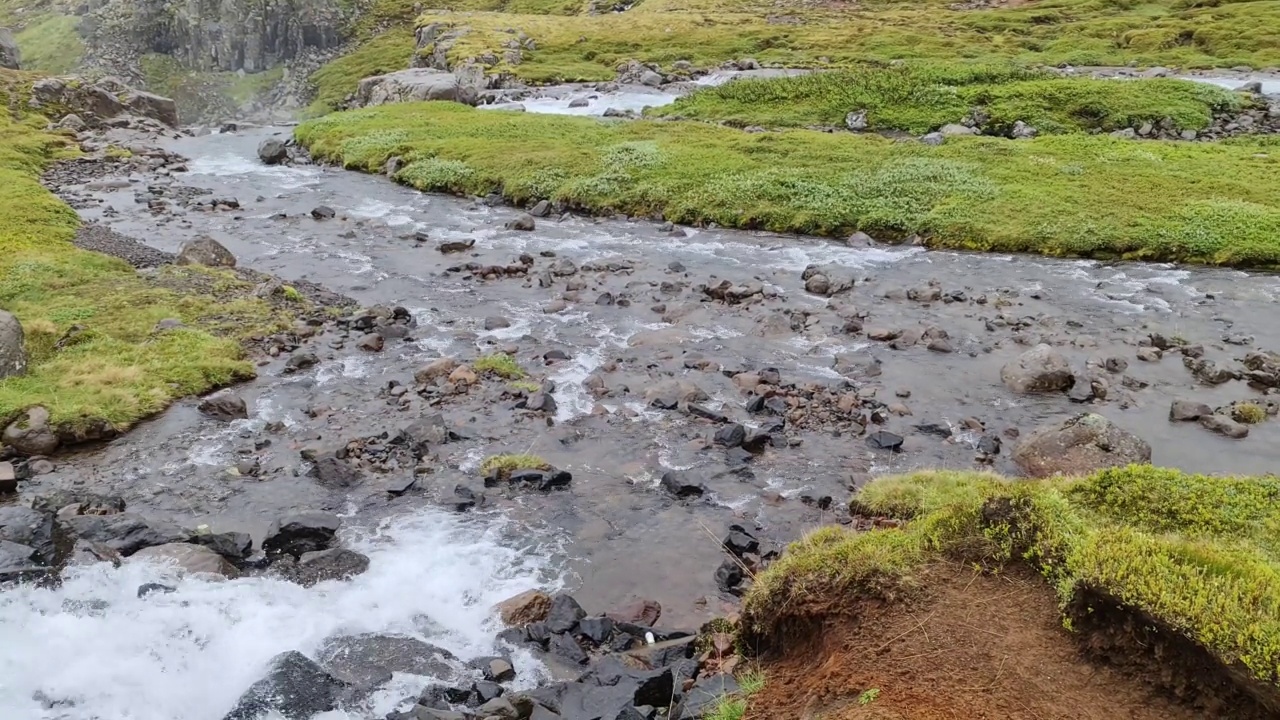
1039, 370
334, 473
371, 342
33, 528
563, 614
206, 251
731, 435
301, 533
125, 533
640, 611
13, 351
332, 564
456, 246
294, 686
529, 606
225, 407
424, 433
189, 558
596, 629
30, 433
729, 577
1207, 371
368, 660
19, 563
323, 212
669, 394
523, 223
540, 209
84, 553
541, 402
542, 480
884, 440
563, 646
273, 151
883, 334
146, 589
1187, 410
434, 370
495, 669
1150, 354
940, 345
500, 708
857, 365
234, 546
703, 698
496, 322
740, 542
1223, 425
1079, 445
818, 284
827, 280
301, 361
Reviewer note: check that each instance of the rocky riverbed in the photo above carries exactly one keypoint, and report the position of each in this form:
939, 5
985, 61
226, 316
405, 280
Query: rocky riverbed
680, 381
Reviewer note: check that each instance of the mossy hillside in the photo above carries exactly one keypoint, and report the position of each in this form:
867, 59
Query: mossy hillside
1197, 553
708, 32
1067, 195
921, 98
51, 44
116, 367
205, 94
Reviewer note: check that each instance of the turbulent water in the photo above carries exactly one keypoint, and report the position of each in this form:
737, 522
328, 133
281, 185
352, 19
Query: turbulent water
92, 649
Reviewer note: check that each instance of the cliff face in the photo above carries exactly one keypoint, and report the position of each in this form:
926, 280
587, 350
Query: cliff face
213, 35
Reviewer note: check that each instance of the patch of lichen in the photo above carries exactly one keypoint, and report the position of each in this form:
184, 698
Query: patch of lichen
1196, 553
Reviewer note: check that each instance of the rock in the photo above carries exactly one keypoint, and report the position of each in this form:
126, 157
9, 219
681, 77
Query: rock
1039, 370
125, 533
542, 208
192, 559
8, 478
1149, 354
1079, 445
323, 212
940, 345
884, 440
30, 527
498, 707
856, 121
456, 246
234, 546
434, 370
956, 130
301, 361
564, 613
818, 284
566, 648
368, 660
424, 433
418, 84
85, 553
669, 394
225, 407
72, 122
828, 279
729, 577
740, 542
530, 606
680, 484
13, 350
10, 55
333, 564
1225, 426
650, 78
523, 223
704, 697
498, 670
1023, 131
206, 251
933, 139
19, 563
301, 533
496, 322
541, 402
371, 342
293, 686
30, 434
596, 629
731, 435
1186, 411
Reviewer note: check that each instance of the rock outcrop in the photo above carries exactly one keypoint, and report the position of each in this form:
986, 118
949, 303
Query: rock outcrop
10, 55
1078, 446
416, 84
99, 101
13, 351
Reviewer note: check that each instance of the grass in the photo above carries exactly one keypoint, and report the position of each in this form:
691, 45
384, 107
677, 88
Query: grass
734, 707
1248, 413
51, 44
526, 386
507, 464
500, 364
203, 95
1215, 204
922, 98
116, 367
1199, 554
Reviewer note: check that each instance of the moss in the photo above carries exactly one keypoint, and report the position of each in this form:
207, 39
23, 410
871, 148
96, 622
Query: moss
51, 44
500, 364
525, 386
114, 366
507, 464
1248, 413
1212, 203
118, 153
291, 293
921, 98
1197, 553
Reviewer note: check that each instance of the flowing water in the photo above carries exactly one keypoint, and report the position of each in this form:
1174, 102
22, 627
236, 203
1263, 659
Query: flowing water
92, 649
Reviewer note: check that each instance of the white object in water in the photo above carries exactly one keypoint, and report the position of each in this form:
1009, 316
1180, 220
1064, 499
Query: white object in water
649, 639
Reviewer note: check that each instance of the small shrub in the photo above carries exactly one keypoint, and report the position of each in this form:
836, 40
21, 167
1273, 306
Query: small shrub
1248, 413
507, 464
291, 293
500, 364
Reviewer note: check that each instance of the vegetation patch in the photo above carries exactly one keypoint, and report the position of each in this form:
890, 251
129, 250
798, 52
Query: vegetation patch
51, 44
922, 98
1066, 195
734, 705
504, 465
1197, 555
500, 364
91, 320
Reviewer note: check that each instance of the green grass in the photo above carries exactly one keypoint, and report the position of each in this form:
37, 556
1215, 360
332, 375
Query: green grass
120, 369
204, 95
507, 464
1066, 195
918, 99
525, 386
51, 44
387, 52
1199, 554
500, 364
1249, 413
734, 707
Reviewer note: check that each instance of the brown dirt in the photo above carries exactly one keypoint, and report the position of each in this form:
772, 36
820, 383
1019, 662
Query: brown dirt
970, 646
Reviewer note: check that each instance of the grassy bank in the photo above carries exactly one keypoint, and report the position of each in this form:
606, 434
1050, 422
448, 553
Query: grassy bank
1068, 195
921, 98
1198, 554
112, 363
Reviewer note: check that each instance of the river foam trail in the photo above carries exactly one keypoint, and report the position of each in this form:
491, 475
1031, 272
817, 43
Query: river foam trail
108, 655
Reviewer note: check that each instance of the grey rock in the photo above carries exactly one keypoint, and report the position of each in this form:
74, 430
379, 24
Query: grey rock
273, 151
704, 697
189, 558
524, 223
856, 120
206, 251
1023, 131
125, 533
301, 533
10, 55
419, 84
682, 485
332, 564
13, 350
234, 546
1078, 446
293, 686
34, 528
30, 433
19, 562
564, 613
1187, 410
225, 407
367, 661
1039, 370
956, 130
1223, 425
650, 78
323, 212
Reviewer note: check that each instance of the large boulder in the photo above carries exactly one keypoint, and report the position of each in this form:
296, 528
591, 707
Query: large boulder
33, 528
30, 433
273, 151
19, 562
1038, 370
145, 104
191, 559
367, 661
301, 533
13, 351
1078, 446
126, 533
10, 55
206, 251
225, 407
529, 606
417, 84
100, 100
293, 686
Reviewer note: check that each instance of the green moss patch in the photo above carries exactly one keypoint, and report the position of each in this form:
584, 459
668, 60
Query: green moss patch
1066, 195
1198, 555
504, 465
500, 364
